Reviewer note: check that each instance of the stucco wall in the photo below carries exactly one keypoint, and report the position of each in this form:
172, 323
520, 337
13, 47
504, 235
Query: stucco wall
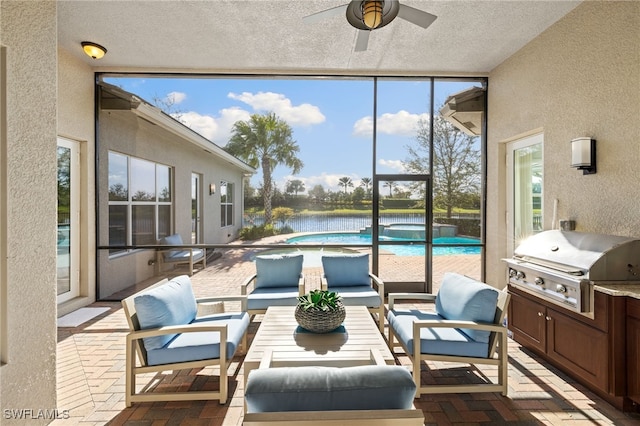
124, 132
578, 78
28, 377
76, 121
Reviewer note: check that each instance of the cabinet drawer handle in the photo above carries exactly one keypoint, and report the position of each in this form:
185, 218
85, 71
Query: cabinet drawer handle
548, 318
539, 314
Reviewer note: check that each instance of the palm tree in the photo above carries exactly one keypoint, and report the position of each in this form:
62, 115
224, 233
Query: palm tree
265, 141
391, 184
366, 183
345, 182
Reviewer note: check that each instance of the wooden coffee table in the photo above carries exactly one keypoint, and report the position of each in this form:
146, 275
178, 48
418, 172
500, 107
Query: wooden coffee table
351, 345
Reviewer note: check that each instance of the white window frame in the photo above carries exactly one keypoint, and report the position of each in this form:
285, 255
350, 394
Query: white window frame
226, 189
130, 203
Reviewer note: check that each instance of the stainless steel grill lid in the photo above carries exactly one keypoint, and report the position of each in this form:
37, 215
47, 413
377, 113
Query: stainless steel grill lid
594, 256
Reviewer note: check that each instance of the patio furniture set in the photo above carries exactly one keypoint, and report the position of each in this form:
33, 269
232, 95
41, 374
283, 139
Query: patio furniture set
293, 376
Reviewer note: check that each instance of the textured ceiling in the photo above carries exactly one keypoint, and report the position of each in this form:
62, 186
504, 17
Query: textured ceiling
244, 36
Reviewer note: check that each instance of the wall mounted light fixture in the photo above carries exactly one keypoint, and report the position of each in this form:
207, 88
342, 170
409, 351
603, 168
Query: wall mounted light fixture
583, 155
94, 50
212, 188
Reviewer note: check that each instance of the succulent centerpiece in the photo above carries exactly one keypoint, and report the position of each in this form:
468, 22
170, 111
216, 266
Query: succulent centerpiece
320, 311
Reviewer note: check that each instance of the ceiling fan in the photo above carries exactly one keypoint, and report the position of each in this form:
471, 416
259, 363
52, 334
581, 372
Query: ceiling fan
368, 15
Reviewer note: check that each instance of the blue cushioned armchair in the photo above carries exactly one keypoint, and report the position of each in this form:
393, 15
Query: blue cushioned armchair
278, 281
165, 334
349, 276
466, 327
180, 255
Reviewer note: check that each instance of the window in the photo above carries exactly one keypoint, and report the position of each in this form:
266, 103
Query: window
139, 201
226, 203
525, 190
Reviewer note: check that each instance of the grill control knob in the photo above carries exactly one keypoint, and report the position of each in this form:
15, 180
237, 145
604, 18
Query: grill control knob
512, 272
520, 275
538, 281
561, 289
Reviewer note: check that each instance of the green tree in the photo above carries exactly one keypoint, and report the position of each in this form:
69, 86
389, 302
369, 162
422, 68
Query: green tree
282, 215
345, 182
366, 183
358, 195
295, 186
317, 193
391, 185
265, 141
456, 163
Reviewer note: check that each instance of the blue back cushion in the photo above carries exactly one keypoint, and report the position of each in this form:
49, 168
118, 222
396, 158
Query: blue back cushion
463, 298
172, 303
278, 270
346, 269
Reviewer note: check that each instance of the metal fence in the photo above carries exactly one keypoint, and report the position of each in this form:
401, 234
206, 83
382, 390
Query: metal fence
323, 222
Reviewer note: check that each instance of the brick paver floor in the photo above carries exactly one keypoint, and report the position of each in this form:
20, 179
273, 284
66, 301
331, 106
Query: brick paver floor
91, 379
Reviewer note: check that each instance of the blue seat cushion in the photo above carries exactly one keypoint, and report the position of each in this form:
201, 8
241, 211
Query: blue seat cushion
199, 345
367, 387
262, 298
278, 270
360, 295
171, 303
183, 255
346, 270
463, 298
436, 341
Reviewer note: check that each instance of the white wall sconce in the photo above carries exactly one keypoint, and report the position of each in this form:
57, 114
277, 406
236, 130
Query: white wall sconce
94, 50
583, 155
212, 188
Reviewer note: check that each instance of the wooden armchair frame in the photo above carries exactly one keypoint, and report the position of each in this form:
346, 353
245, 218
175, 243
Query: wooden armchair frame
135, 347
497, 354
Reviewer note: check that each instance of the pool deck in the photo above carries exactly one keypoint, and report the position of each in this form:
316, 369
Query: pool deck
91, 364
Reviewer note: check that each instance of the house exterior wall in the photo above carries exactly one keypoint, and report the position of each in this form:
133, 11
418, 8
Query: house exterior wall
76, 121
28, 267
124, 132
578, 78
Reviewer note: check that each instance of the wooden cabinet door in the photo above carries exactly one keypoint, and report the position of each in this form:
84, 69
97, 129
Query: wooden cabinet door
527, 322
582, 349
633, 349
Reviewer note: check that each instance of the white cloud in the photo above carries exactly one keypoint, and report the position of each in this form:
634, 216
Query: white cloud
393, 164
216, 129
301, 115
401, 123
176, 97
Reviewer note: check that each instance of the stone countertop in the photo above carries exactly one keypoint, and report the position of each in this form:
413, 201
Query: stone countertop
631, 290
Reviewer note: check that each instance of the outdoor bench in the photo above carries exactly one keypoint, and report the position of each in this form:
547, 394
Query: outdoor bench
372, 395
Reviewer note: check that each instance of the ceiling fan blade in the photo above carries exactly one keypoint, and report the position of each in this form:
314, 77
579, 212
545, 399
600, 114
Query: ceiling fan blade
362, 41
325, 14
416, 16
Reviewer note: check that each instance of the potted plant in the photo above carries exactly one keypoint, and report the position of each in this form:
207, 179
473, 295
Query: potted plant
320, 311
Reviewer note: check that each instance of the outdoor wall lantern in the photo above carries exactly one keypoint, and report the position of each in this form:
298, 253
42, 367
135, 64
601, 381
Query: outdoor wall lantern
212, 188
583, 155
93, 50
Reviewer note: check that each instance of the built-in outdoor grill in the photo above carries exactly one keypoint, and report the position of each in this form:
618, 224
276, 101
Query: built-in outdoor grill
563, 266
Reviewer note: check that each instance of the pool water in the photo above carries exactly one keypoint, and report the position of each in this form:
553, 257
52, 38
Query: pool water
347, 238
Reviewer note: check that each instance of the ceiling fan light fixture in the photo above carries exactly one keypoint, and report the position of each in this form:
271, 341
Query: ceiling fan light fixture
372, 13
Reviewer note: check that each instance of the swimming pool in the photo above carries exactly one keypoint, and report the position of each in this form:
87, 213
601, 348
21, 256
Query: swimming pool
347, 238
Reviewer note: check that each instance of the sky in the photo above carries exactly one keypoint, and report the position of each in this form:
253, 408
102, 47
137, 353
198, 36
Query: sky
331, 119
